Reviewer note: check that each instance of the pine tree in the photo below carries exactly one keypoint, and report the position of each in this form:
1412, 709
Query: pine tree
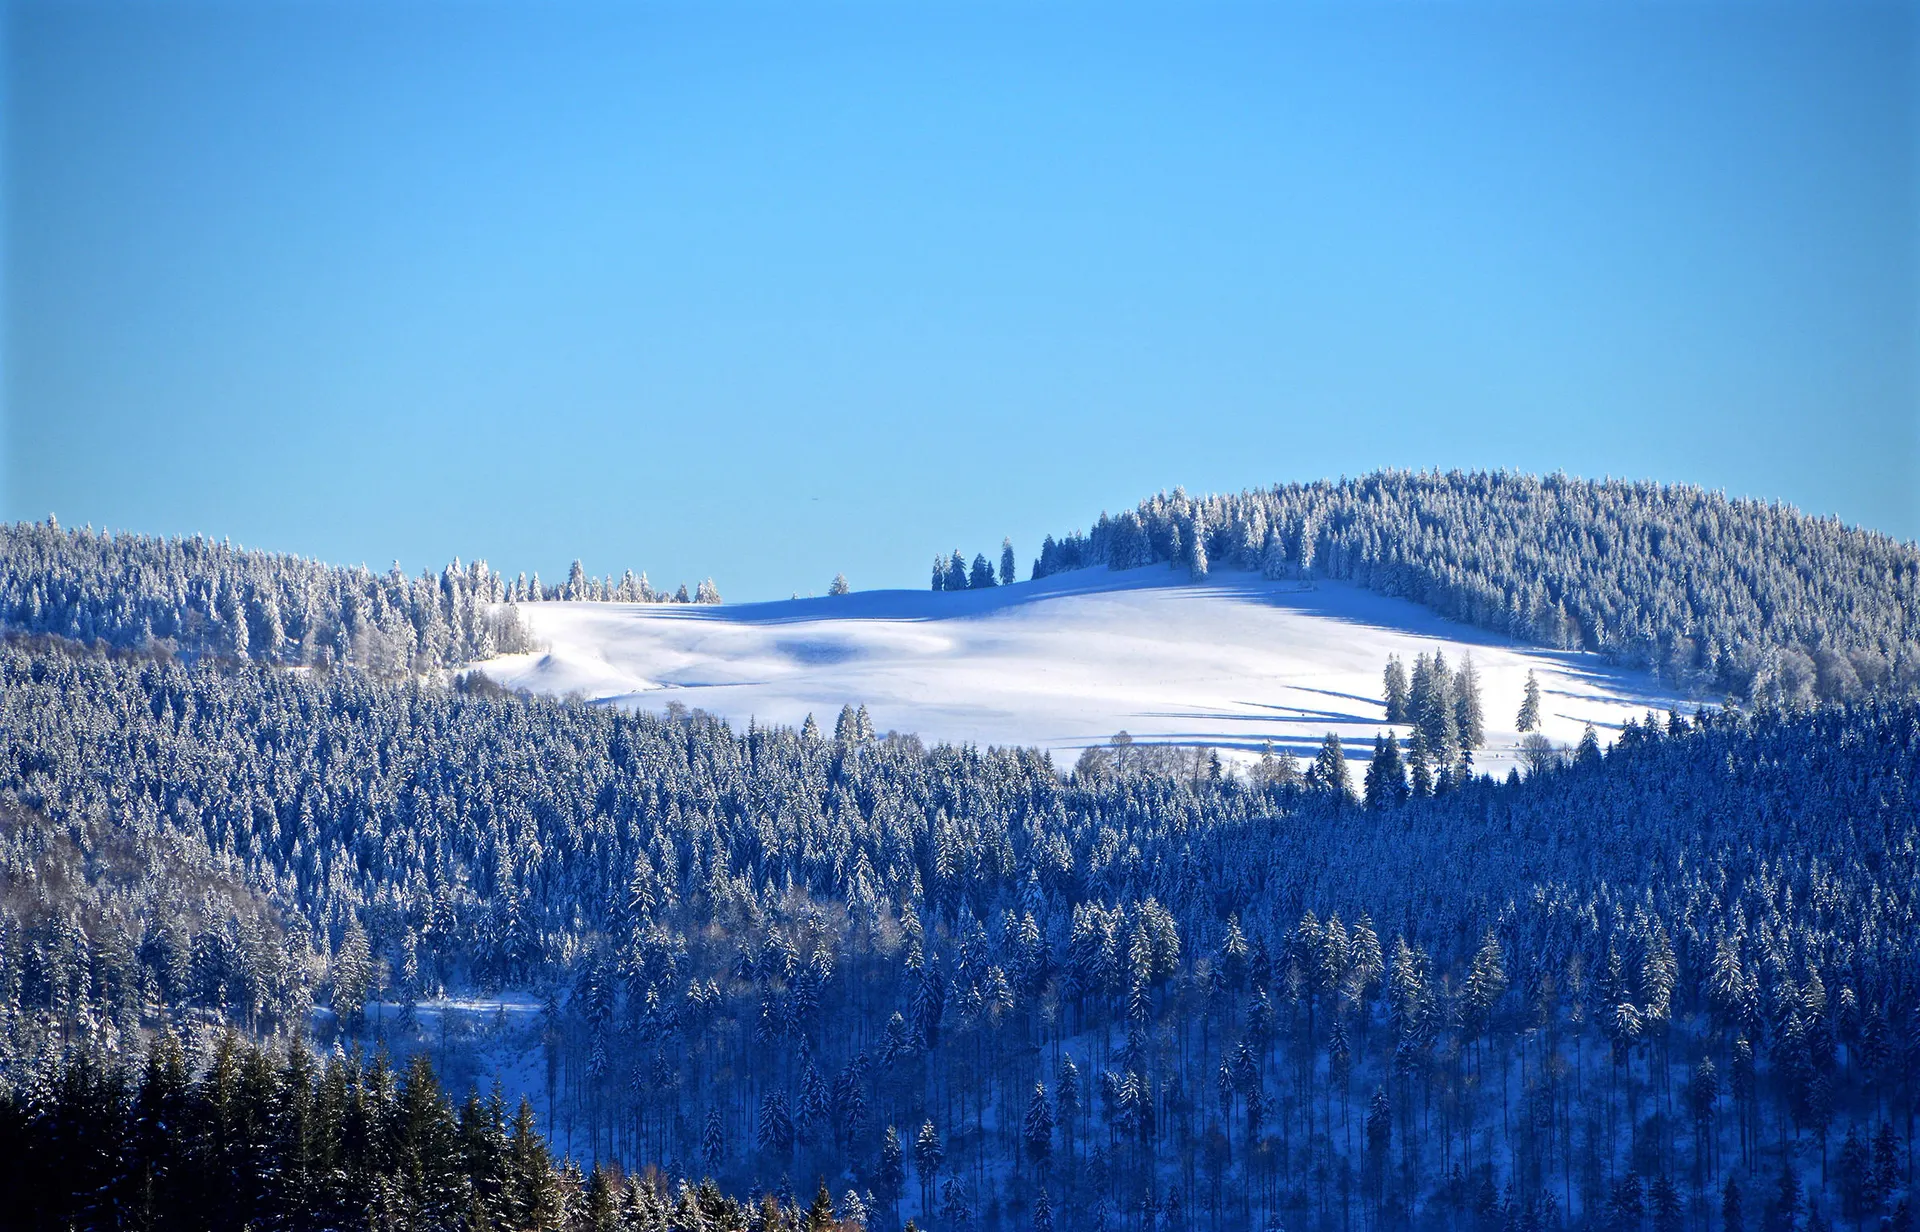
1469, 714
352, 974
819, 1216
1664, 1199
1419, 766
1037, 1128
1009, 570
1529, 717
939, 572
774, 1132
425, 1136
1386, 777
893, 1167
1395, 690
980, 577
839, 585
601, 1203
532, 1197
1042, 1211
1329, 773
928, 1155
1197, 546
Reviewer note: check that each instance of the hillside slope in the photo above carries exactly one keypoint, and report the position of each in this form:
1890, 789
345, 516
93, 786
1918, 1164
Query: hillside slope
1065, 662
1720, 596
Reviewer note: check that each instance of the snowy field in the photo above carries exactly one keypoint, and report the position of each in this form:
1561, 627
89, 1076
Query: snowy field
1064, 662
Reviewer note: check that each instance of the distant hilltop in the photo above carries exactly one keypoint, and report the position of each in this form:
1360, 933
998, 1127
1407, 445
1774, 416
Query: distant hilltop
1720, 597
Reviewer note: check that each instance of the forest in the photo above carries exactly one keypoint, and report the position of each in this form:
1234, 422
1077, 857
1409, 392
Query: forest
195, 597
1728, 598
286, 1139
296, 905
1666, 983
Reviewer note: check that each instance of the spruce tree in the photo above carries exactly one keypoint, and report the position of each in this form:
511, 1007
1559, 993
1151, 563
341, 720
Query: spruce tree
1037, 1128
1395, 690
1529, 717
1588, 752
1469, 714
1329, 773
1386, 777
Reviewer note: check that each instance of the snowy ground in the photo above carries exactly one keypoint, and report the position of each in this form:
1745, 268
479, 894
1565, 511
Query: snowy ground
1064, 662
473, 1041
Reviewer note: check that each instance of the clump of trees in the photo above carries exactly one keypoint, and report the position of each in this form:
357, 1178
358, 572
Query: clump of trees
1448, 717
953, 572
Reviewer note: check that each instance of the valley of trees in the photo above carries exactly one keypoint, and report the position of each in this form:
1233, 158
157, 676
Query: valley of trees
1727, 598
1664, 985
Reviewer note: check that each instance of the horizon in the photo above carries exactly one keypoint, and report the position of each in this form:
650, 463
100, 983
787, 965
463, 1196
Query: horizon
1024, 559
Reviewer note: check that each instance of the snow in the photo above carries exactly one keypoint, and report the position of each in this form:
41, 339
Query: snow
1066, 662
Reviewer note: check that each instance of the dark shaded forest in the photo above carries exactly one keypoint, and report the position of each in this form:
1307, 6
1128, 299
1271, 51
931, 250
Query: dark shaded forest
254, 1139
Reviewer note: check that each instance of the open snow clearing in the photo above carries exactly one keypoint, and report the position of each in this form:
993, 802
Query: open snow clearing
1065, 662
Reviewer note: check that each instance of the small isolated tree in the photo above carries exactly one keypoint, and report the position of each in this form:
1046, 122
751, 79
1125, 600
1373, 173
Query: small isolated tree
1009, 570
839, 586
1529, 717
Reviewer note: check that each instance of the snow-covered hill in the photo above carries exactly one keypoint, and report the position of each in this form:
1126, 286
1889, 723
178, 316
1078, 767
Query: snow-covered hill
1064, 662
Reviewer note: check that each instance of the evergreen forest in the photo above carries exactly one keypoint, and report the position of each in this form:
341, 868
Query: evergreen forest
305, 923
1728, 598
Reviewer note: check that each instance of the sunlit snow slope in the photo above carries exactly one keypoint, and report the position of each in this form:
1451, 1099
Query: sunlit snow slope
1063, 662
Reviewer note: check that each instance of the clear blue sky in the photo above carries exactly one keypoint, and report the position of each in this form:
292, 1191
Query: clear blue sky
769, 292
